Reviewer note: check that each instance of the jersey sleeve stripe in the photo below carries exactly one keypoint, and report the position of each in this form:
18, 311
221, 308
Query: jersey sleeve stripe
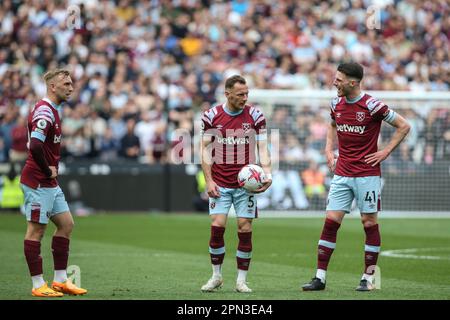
259, 120
390, 117
373, 104
261, 137
210, 114
38, 114
334, 102
42, 117
257, 114
375, 110
206, 119
38, 136
44, 112
44, 108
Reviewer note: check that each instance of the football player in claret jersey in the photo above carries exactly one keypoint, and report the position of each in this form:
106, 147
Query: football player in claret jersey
44, 199
356, 118
230, 134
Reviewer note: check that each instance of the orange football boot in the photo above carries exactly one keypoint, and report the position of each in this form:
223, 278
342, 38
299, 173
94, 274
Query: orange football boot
68, 287
46, 292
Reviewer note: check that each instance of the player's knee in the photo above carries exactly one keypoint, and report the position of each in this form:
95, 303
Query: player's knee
218, 220
38, 235
66, 228
35, 234
218, 224
245, 227
335, 216
70, 225
367, 223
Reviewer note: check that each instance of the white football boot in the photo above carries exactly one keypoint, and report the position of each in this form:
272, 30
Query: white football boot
241, 286
213, 284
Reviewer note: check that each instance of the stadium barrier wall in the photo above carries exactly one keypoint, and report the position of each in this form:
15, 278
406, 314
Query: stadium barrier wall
172, 188
124, 186
129, 186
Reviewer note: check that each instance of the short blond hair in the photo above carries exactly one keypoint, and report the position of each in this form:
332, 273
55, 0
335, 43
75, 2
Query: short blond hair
49, 75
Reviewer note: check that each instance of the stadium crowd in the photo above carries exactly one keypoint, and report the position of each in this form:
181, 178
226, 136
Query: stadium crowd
143, 69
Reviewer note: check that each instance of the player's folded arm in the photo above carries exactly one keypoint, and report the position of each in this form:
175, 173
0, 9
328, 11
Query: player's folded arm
37, 151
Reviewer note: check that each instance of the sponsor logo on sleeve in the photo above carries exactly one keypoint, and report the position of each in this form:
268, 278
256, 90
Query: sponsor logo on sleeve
57, 139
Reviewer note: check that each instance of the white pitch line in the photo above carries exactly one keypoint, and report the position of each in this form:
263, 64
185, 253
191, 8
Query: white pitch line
408, 253
352, 215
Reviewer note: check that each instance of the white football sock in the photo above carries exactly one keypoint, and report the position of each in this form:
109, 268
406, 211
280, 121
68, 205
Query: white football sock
217, 270
60, 276
367, 277
321, 274
38, 281
242, 275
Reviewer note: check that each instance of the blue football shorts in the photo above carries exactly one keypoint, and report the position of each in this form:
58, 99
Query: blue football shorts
366, 191
43, 203
244, 203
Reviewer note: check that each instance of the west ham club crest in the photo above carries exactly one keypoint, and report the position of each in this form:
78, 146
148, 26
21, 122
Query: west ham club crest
246, 127
360, 116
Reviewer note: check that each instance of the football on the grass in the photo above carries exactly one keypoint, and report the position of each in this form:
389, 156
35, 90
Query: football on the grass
251, 177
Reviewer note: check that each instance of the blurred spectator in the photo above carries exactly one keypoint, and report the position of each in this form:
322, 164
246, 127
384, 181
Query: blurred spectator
108, 146
280, 120
19, 135
201, 201
8, 122
129, 57
156, 152
3, 157
318, 132
314, 181
11, 195
78, 145
129, 144
292, 150
145, 130
117, 125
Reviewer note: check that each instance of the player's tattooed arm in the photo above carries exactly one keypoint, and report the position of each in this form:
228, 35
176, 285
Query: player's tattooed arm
403, 128
206, 156
266, 164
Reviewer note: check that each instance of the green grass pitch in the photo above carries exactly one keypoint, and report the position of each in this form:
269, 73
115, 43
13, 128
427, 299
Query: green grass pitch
143, 256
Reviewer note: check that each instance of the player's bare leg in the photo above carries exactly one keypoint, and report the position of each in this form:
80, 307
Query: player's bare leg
327, 244
60, 248
217, 252
32, 249
371, 251
244, 253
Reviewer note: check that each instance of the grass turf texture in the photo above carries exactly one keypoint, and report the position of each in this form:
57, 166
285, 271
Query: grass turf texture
153, 257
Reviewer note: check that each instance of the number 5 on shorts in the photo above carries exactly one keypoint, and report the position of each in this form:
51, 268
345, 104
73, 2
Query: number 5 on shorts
251, 203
